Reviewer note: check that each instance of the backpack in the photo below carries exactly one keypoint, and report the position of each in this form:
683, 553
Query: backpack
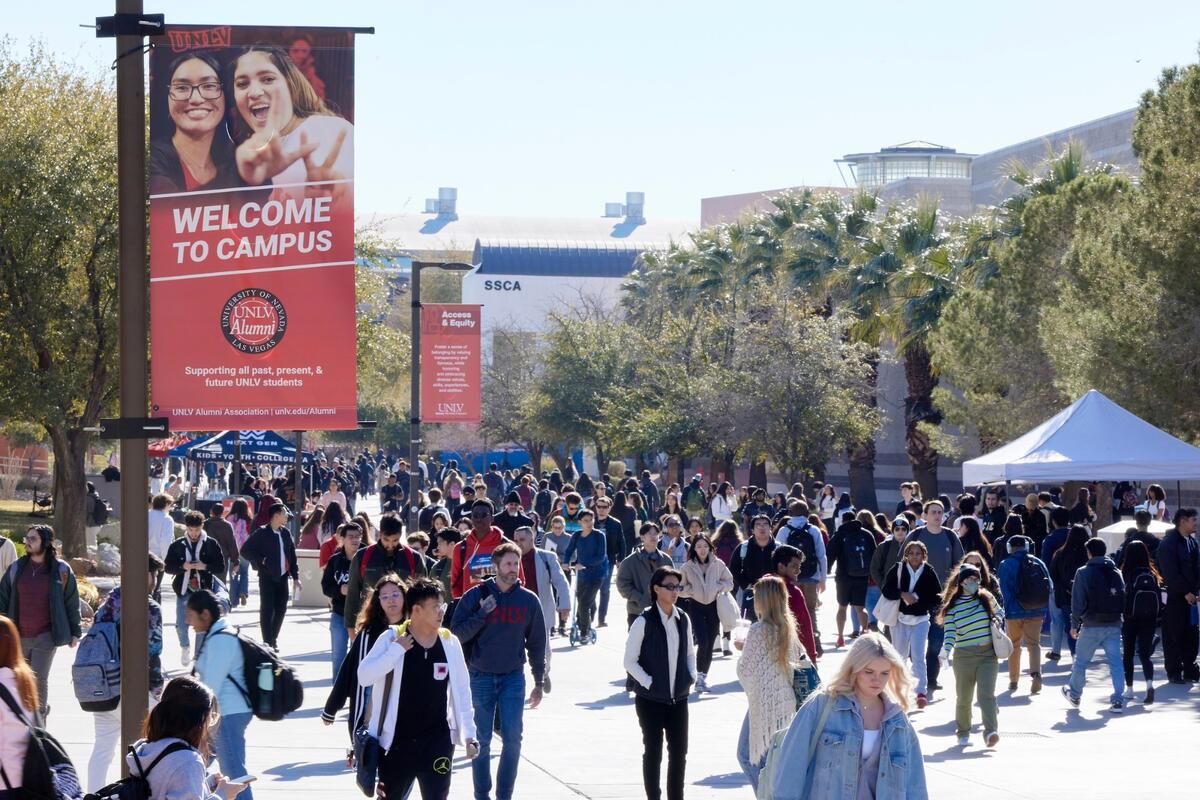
362, 564
802, 540
1146, 604
48, 773
1033, 584
1111, 601
100, 511
270, 687
96, 673
542, 502
857, 554
695, 502
136, 787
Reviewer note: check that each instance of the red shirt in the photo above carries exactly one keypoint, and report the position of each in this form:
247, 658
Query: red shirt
33, 612
803, 621
529, 568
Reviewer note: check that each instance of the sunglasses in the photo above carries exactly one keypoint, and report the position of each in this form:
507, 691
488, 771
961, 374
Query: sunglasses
670, 587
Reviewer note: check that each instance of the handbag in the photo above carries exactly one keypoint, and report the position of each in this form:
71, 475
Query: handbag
727, 610
888, 611
1000, 641
805, 681
368, 752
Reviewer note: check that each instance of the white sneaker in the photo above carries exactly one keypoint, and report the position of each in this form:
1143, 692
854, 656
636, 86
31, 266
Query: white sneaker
186, 657
1128, 693
701, 683
963, 741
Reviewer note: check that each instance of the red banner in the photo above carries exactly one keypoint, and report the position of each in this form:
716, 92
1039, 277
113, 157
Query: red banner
450, 363
252, 322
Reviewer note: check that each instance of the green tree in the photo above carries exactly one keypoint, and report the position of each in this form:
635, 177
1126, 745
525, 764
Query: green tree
58, 263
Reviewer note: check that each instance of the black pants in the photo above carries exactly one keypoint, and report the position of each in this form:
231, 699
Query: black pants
1141, 634
705, 626
426, 760
1179, 638
273, 598
656, 720
585, 603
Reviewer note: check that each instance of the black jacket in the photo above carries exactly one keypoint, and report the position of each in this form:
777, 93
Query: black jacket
928, 589
1178, 563
208, 551
614, 539
851, 549
1063, 567
346, 686
262, 551
404, 561
750, 562
335, 576
508, 523
653, 658
1149, 539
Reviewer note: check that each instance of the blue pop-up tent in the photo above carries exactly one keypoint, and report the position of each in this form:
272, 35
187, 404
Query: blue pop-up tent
257, 447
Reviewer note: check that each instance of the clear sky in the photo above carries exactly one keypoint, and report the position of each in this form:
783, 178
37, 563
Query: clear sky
536, 108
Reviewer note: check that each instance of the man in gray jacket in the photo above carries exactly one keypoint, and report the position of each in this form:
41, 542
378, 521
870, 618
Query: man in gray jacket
633, 576
544, 577
1097, 606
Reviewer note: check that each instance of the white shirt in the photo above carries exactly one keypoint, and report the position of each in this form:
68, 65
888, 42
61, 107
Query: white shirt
328, 497
637, 634
870, 742
161, 532
14, 736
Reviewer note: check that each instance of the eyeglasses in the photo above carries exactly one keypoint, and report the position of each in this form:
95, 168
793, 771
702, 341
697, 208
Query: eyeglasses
670, 587
183, 91
390, 598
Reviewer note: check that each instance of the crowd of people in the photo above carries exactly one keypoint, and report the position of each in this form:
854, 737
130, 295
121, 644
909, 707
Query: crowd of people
434, 632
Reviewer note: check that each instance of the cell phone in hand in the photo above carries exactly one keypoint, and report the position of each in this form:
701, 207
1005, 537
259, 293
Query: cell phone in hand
244, 779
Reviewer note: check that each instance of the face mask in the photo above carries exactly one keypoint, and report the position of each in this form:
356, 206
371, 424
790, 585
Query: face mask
970, 588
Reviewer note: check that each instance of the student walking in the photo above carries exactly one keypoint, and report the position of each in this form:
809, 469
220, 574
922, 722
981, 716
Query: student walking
38, 593
1178, 559
944, 552
704, 578
635, 572
1027, 588
852, 739
501, 622
335, 583
543, 576
219, 664
969, 612
1065, 562
589, 549
660, 660
195, 559
421, 697
1143, 607
272, 554
18, 680
918, 588
1097, 607
770, 654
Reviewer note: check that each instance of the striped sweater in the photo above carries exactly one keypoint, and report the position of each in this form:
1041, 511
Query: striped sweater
967, 624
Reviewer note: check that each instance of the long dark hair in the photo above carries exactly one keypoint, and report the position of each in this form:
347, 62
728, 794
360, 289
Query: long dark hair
371, 617
953, 591
726, 530
1137, 559
334, 517
240, 509
712, 551
187, 711
974, 538
305, 100
46, 534
1076, 543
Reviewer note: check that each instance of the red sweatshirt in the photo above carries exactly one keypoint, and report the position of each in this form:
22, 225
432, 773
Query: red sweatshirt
471, 561
804, 627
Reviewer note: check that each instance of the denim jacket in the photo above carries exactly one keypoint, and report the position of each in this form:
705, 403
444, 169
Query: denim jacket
834, 770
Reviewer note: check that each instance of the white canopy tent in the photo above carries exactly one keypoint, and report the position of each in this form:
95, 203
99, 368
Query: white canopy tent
1092, 439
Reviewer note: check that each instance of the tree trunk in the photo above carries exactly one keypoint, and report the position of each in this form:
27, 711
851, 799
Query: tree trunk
758, 474
535, 450
918, 408
1102, 502
561, 456
602, 459
861, 456
70, 488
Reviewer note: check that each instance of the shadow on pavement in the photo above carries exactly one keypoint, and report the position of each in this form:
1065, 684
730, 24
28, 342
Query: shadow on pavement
728, 779
295, 771
618, 699
957, 753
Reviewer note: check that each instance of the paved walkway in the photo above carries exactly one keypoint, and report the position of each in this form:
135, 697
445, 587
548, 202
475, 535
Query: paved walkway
584, 740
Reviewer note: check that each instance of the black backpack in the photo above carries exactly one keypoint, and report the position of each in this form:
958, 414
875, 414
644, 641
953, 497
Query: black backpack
1146, 602
48, 773
269, 686
542, 502
1033, 584
802, 540
1111, 600
856, 553
100, 511
136, 787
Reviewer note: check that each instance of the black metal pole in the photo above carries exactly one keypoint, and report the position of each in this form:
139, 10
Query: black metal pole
237, 462
298, 482
414, 438
133, 303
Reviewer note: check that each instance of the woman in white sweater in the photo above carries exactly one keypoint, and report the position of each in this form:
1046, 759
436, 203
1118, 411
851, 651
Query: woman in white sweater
704, 577
770, 653
724, 503
20, 684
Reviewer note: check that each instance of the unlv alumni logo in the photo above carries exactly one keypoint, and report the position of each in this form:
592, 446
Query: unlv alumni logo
253, 321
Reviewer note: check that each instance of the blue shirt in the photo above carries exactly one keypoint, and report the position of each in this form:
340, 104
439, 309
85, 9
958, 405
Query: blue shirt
591, 550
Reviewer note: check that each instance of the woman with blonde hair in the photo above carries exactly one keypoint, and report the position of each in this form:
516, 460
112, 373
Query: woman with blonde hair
852, 740
769, 654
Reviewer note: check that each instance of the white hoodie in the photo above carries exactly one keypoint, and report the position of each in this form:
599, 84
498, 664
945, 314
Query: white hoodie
179, 776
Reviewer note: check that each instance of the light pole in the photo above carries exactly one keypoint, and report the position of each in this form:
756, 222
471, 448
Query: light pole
414, 420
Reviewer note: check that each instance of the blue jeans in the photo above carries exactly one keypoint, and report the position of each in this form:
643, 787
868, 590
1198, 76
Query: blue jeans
339, 641
230, 747
181, 626
1060, 629
491, 691
241, 587
1092, 638
933, 667
873, 595
743, 755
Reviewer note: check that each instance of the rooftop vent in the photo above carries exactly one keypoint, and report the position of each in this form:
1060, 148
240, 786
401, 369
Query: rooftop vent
445, 205
614, 209
633, 209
